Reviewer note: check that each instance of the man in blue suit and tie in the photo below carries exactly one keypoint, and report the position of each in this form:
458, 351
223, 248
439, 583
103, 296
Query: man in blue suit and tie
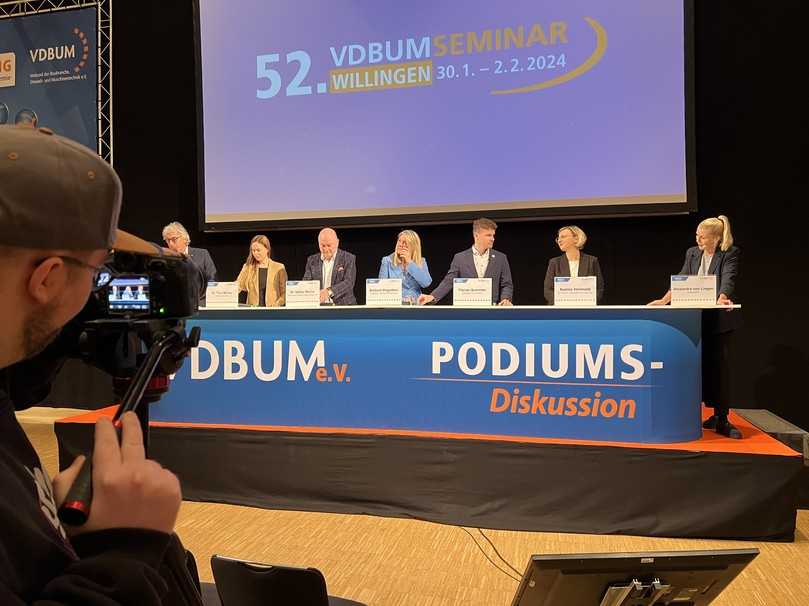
481, 261
336, 269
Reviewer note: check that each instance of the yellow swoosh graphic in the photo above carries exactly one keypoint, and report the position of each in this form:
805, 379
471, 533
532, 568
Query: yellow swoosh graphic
598, 53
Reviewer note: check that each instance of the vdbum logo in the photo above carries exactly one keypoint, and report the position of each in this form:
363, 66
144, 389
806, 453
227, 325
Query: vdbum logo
574, 369
65, 52
53, 53
8, 70
286, 361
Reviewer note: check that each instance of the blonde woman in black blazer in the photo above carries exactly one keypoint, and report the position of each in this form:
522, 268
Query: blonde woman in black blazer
715, 254
570, 240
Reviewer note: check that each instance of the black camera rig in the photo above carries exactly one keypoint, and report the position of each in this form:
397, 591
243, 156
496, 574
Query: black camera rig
133, 328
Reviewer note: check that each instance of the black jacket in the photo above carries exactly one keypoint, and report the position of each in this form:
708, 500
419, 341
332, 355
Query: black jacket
201, 259
724, 265
560, 266
38, 563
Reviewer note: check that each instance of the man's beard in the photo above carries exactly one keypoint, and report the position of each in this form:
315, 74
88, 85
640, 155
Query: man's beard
38, 333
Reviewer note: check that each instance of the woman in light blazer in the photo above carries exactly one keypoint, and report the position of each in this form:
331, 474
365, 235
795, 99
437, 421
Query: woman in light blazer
572, 262
264, 279
407, 263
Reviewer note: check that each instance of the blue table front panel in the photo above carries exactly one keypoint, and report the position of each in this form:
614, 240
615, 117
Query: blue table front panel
620, 375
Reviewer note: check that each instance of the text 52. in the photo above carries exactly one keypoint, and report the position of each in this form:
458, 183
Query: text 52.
295, 87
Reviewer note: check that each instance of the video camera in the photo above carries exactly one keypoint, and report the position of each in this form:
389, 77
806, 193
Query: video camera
137, 286
137, 300
133, 327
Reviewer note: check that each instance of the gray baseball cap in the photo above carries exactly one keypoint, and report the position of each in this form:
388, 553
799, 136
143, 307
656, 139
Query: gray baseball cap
58, 194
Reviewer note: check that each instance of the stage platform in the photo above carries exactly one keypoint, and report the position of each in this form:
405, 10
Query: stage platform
713, 487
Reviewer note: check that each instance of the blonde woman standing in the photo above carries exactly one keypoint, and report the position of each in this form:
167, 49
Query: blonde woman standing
264, 280
715, 255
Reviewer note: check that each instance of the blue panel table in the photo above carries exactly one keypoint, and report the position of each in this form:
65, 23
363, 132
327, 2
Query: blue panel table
543, 419
620, 374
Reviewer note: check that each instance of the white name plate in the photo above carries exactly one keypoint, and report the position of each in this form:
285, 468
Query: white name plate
222, 294
471, 292
574, 292
689, 291
383, 292
303, 293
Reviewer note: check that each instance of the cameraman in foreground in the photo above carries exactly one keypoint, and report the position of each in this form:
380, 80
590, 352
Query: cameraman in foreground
59, 206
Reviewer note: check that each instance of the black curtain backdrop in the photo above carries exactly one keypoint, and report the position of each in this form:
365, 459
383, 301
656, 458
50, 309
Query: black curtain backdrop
751, 133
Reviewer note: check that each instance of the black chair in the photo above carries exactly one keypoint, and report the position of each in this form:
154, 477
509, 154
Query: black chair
209, 595
241, 583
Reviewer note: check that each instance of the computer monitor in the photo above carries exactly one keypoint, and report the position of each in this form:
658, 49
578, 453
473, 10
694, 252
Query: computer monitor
679, 578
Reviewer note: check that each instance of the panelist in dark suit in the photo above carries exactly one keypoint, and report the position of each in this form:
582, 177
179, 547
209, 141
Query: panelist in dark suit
715, 255
336, 270
481, 261
177, 239
573, 262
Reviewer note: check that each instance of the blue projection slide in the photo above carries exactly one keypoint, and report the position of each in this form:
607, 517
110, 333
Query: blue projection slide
367, 108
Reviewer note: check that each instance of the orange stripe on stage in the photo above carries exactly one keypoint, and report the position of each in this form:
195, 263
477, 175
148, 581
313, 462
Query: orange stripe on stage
754, 441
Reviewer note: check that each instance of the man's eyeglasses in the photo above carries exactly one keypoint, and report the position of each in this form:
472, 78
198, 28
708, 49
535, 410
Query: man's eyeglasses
171, 239
101, 273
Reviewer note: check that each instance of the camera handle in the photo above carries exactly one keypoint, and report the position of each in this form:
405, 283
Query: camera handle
76, 507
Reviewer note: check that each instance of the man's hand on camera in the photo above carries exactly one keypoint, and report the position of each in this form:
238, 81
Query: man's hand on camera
129, 490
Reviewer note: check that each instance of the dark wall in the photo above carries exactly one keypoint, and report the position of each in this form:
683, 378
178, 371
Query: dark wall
750, 154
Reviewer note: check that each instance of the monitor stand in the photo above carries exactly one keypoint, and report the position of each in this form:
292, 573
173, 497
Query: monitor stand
641, 594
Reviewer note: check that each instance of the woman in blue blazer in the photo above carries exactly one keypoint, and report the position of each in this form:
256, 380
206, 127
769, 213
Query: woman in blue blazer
715, 255
407, 264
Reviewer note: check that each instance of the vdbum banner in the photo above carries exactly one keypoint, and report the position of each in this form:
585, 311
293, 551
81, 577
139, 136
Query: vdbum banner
48, 73
590, 376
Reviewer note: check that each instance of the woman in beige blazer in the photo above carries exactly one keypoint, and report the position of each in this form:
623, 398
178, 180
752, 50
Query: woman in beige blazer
264, 280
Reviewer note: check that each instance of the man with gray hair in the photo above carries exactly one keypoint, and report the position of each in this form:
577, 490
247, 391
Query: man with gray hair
177, 239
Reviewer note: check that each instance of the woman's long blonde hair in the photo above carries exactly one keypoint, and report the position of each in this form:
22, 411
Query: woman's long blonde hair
413, 242
264, 241
719, 227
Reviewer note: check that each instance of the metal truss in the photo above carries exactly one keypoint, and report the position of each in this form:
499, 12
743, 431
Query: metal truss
20, 8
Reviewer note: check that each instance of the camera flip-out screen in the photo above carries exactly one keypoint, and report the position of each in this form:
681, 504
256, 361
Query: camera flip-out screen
128, 294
